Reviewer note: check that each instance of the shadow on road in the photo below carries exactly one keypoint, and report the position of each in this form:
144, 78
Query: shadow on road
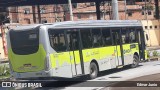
79, 81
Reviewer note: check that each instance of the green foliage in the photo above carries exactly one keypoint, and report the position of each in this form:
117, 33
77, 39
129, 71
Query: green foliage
155, 53
4, 70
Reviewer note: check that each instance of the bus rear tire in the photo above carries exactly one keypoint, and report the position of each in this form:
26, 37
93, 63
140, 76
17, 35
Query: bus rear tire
135, 61
93, 70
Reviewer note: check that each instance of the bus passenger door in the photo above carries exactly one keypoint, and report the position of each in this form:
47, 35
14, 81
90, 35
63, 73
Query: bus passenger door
73, 43
141, 42
118, 47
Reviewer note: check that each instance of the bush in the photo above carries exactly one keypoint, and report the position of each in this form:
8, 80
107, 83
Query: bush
155, 53
4, 70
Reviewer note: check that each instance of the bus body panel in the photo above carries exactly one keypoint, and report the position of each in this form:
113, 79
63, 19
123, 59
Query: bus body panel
107, 58
61, 64
129, 50
146, 56
68, 63
28, 63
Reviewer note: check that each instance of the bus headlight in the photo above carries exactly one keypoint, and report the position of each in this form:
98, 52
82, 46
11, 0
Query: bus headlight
47, 63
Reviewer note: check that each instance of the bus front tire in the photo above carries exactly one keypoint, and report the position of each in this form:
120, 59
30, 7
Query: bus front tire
135, 61
93, 70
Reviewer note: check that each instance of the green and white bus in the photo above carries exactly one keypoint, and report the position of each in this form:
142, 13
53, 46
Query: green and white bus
74, 48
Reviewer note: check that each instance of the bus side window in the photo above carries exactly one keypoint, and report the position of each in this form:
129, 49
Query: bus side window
125, 35
57, 40
132, 36
96, 38
86, 38
73, 41
106, 37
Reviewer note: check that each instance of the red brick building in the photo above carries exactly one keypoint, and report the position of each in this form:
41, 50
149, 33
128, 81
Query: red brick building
81, 11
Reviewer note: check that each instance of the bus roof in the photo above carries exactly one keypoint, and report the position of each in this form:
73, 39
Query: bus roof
26, 27
85, 24
97, 23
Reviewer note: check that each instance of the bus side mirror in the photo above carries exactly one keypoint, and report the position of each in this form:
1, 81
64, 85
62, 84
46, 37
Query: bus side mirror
147, 37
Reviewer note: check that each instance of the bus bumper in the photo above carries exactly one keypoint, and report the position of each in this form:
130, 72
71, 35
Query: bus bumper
42, 73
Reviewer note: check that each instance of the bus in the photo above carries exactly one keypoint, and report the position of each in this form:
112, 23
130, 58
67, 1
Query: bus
75, 48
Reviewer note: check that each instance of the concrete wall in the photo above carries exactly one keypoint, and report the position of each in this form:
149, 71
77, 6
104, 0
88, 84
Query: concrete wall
2, 55
152, 28
5, 29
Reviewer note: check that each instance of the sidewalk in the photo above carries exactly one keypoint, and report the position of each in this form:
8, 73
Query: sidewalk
153, 48
154, 77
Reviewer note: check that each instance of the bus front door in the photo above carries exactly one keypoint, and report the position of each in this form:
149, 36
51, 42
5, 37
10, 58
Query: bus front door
74, 50
118, 47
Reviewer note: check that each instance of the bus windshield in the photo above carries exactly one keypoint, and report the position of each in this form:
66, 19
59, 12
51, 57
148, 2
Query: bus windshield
25, 41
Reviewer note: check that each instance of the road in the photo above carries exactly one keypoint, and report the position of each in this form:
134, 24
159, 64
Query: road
125, 74
108, 78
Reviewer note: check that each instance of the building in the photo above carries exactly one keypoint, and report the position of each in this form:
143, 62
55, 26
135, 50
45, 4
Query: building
144, 11
81, 11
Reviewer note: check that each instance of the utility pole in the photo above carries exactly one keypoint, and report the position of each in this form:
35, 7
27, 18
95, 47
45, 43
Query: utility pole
115, 10
39, 14
70, 10
34, 15
55, 12
110, 13
125, 9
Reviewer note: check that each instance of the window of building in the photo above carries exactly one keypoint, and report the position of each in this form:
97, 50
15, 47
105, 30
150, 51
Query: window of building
155, 27
143, 7
79, 16
57, 9
92, 4
130, 2
150, 27
57, 40
129, 13
44, 21
149, 13
146, 27
106, 37
42, 10
0, 34
26, 11
75, 5
142, 12
86, 38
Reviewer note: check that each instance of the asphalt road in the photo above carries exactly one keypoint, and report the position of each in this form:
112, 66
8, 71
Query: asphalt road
148, 71
149, 79
110, 78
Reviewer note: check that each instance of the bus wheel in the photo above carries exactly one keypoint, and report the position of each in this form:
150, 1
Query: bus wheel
93, 70
135, 61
